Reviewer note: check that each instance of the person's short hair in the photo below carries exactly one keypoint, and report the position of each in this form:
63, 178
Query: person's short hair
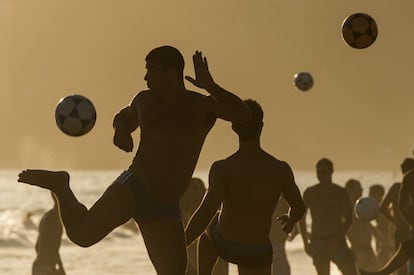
352, 183
252, 128
168, 57
325, 162
407, 164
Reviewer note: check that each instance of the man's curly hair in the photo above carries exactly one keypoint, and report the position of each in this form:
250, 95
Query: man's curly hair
253, 127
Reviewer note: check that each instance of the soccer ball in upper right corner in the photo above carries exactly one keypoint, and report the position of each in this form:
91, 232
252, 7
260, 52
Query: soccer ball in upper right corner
303, 81
359, 30
75, 115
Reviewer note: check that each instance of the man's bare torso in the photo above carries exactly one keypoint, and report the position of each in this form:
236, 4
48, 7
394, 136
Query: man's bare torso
326, 204
253, 183
171, 138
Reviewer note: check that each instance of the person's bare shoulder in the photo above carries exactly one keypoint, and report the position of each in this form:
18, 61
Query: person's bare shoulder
282, 170
216, 171
395, 187
409, 177
311, 189
282, 166
339, 191
142, 95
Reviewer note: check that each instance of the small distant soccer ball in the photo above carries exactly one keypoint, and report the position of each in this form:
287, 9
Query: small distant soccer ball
367, 208
359, 30
303, 81
75, 115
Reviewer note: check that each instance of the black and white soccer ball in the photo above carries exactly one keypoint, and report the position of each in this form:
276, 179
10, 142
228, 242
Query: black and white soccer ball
303, 81
75, 115
359, 30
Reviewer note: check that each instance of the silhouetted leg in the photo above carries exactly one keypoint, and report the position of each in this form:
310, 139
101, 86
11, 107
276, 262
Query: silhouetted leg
345, 259
165, 244
207, 255
84, 227
280, 263
322, 267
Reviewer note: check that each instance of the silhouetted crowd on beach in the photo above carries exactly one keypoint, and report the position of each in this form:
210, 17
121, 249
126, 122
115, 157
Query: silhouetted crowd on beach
252, 205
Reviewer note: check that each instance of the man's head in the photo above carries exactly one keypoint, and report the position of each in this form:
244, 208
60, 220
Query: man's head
165, 66
377, 192
324, 170
407, 165
252, 128
354, 189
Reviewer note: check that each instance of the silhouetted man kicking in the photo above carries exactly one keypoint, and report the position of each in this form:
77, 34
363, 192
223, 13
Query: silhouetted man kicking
174, 123
248, 185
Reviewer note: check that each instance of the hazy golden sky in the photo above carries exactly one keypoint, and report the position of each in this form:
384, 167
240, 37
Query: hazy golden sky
358, 113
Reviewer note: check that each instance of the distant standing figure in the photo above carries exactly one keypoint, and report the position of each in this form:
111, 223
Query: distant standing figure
384, 248
361, 233
247, 186
189, 203
48, 242
331, 212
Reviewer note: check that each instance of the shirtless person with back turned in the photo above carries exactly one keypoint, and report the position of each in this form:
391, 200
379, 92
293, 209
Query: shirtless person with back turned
331, 212
405, 206
48, 261
174, 123
248, 185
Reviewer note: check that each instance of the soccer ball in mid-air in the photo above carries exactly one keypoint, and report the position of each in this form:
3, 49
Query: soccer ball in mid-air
303, 81
366, 208
359, 30
75, 115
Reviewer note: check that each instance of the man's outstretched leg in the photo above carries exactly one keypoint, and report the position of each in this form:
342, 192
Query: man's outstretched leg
84, 227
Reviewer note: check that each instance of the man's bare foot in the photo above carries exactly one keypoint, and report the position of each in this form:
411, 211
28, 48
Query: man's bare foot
54, 181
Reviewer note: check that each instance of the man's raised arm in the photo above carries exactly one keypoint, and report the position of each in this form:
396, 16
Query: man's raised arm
223, 104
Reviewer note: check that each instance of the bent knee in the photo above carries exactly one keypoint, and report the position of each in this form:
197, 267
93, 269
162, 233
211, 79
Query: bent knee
83, 242
81, 239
